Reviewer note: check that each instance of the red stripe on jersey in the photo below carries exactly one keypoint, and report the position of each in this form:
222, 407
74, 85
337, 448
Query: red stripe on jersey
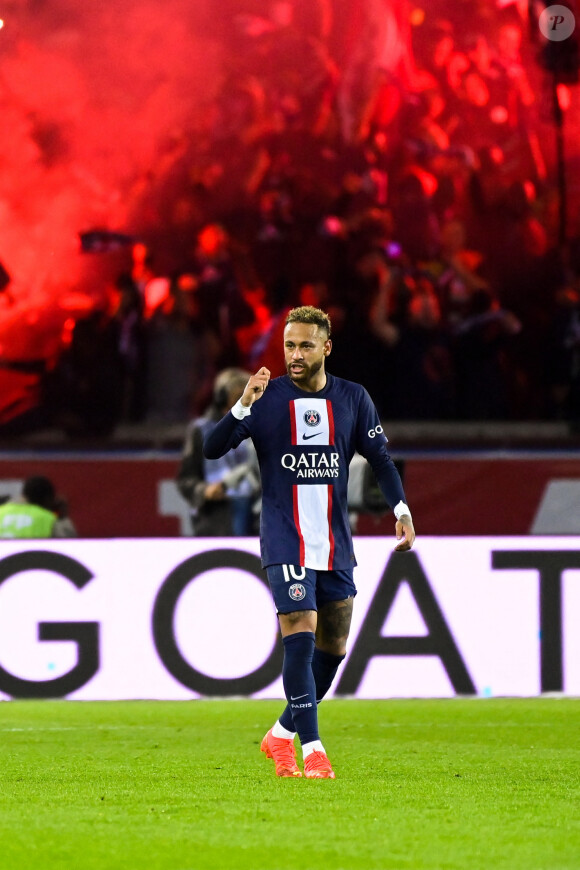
297, 523
293, 436
330, 535
330, 422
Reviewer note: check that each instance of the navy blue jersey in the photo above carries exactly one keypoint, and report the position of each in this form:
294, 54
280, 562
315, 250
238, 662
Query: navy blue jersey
305, 442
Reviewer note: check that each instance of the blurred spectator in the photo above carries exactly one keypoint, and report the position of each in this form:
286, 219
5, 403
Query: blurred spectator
223, 493
423, 383
456, 271
221, 305
141, 267
127, 320
292, 63
181, 353
416, 219
250, 336
377, 62
22, 408
563, 357
85, 390
37, 513
481, 342
6, 297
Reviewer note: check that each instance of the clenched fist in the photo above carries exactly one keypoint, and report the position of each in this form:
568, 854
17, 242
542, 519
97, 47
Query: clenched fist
255, 387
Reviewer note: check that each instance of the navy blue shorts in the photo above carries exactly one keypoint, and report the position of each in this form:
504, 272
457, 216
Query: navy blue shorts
297, 588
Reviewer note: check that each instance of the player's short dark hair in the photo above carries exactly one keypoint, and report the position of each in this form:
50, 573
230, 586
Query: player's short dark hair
310, 314
40, 491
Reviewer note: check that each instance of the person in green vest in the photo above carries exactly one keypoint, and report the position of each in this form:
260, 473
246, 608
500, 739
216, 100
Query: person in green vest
36, 513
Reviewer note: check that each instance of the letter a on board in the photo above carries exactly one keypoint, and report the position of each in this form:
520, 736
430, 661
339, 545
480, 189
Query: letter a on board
405, 567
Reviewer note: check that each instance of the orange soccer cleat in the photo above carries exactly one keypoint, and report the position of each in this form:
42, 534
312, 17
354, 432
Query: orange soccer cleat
283, 753
317, 766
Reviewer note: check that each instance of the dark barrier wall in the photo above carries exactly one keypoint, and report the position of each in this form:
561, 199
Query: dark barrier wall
455, 494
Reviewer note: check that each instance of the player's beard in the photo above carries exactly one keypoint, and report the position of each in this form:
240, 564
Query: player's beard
307, 373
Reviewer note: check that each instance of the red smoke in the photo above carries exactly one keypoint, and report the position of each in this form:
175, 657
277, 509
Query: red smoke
94, 99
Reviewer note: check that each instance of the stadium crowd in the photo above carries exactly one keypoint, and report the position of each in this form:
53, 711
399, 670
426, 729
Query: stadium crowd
404, 185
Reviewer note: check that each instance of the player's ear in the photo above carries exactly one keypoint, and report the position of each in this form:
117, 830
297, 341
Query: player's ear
327, 347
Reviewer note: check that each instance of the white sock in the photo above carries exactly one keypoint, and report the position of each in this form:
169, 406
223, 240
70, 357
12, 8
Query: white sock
279, 731
314, 746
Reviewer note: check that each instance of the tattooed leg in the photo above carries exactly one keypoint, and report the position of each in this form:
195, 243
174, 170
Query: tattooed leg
333, 627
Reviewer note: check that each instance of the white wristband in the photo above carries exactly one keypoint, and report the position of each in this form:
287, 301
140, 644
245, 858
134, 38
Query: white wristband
240, 411
401, 509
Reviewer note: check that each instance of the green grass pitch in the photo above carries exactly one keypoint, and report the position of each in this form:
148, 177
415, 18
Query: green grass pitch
183, 786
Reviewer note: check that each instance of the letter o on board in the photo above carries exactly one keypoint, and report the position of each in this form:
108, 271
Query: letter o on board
164, 632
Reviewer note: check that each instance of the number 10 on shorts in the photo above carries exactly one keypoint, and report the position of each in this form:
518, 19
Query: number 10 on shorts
293, 572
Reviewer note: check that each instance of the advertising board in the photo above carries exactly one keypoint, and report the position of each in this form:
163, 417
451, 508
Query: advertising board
187, 618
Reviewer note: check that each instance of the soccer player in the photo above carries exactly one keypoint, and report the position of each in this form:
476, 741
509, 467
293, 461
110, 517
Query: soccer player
306, 427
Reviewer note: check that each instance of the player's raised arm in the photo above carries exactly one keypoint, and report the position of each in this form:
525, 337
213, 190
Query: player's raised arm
255, 387
230, 431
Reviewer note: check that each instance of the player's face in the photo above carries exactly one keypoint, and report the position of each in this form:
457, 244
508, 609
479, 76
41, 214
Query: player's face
305, 349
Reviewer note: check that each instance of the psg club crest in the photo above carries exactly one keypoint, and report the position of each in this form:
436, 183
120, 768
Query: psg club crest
312, 418
297, 592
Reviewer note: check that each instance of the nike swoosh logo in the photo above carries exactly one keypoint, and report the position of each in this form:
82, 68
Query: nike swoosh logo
307, 437
298, 696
